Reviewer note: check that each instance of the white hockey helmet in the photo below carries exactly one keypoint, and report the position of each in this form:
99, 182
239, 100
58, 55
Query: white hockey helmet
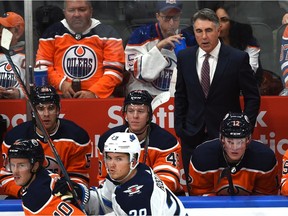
123, 142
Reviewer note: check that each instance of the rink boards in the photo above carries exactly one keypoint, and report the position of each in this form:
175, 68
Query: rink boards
204, 206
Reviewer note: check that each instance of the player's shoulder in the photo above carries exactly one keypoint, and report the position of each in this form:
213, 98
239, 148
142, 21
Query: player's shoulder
161, 138
24, 130
209, 146
259, 156
41, 183
259, 148
143, 177
70, 130
208, 155
72, 125
153, 184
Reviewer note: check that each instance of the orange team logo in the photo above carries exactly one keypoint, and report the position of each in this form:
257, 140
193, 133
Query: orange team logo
80, 62
7, 77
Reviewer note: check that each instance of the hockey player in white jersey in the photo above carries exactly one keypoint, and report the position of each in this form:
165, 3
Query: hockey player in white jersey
131, 188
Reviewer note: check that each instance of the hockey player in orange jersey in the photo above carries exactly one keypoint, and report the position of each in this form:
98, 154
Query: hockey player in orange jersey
82, 48
159, 149
70, 140
284, 179
25, 159
233, 164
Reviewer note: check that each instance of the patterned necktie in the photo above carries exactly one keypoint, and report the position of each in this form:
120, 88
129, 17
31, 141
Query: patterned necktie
205, 75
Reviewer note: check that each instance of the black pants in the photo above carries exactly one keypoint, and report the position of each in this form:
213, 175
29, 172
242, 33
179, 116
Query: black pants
188, 144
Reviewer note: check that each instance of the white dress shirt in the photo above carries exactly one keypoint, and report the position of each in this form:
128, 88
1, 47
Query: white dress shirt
212, 60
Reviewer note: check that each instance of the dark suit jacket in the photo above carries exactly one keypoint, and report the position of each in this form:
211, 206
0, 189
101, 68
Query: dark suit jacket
233, 75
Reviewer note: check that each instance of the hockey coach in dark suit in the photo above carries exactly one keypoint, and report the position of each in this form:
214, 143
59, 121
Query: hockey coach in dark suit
210, 79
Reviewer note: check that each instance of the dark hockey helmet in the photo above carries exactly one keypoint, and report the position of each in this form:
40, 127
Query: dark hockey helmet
30, 149
139, 97
235, 125
45, 94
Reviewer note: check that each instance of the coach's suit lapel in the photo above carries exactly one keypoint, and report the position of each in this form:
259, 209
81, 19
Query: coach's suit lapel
194, 76
220, 68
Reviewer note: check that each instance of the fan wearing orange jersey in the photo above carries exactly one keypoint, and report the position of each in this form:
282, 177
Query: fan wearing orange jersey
233, 164
82, 48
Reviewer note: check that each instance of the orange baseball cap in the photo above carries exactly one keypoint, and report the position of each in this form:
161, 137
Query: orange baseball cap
11, 19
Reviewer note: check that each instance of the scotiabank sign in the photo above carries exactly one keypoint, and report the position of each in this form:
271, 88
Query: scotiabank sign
98, 115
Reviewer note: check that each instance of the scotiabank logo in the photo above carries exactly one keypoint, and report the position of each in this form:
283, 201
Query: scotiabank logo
265, 131
268, 129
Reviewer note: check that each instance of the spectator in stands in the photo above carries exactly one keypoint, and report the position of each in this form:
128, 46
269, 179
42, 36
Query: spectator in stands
9, 87
159, 149
81, 48
45, 16
240, 36
25, 161
199, 107
233, 164
270, 13
283, 61
70, 140
149, 53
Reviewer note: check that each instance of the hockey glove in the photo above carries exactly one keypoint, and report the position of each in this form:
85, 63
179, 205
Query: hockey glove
62, 190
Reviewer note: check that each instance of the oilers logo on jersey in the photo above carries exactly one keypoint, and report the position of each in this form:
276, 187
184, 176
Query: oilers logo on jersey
162, 83
80, 62
7, 78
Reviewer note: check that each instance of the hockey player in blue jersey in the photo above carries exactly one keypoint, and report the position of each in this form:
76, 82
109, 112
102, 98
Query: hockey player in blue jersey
131, 188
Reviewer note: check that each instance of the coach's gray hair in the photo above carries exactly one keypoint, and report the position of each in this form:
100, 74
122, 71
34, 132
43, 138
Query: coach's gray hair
206, 14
